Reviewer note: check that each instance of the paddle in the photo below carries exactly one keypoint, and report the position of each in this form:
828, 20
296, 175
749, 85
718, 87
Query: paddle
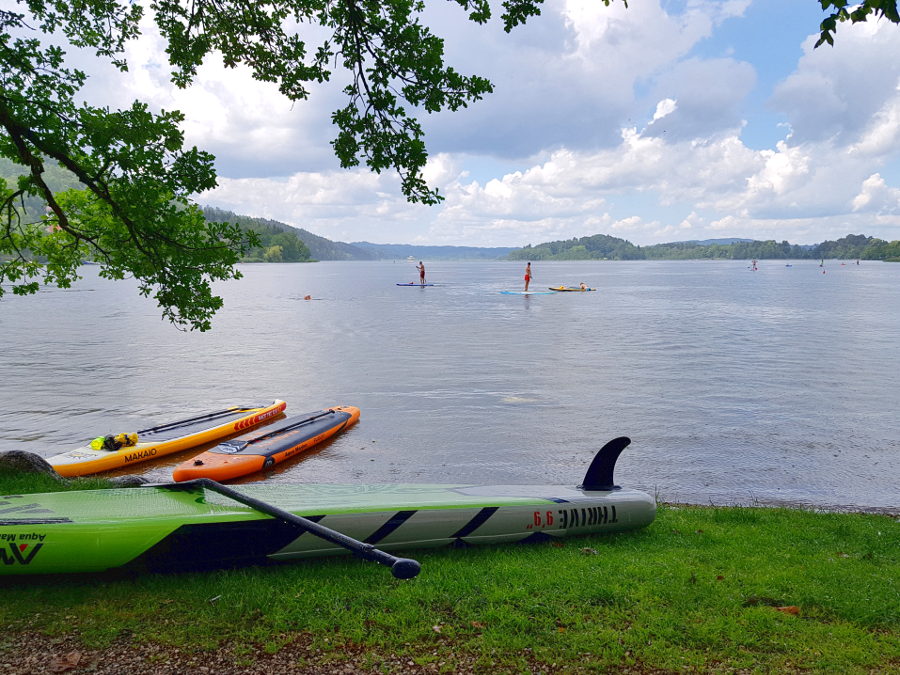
401, 568
281, 430
202, 418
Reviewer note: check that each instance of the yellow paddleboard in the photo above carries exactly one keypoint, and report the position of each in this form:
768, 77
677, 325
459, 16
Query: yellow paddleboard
116, 451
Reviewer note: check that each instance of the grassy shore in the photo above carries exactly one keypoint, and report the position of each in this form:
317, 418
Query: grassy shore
702, 589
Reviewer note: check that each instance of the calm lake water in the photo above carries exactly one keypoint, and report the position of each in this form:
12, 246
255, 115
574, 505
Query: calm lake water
776, 386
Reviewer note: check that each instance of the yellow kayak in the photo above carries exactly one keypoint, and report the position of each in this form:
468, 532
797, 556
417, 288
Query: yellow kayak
570, 288
117, 450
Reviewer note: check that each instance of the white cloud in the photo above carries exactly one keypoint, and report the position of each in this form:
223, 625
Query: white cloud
726, 224
881, 136
729, 190
251, 128
836, 92
622, 34
616, 121
784, 170
876, 196
665, 107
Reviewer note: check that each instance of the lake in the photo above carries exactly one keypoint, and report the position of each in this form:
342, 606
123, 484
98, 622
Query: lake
775, 386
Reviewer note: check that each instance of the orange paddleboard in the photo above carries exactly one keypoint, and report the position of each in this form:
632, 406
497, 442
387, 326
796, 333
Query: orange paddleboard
268, 446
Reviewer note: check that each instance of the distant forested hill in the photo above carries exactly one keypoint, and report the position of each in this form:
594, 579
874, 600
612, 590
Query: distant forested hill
317, 248
278, 242
399, 251
58, 179
596, 247
604, 247
707, 242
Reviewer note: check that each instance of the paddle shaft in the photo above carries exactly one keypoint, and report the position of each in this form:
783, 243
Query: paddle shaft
300, 423
200, 418
401, 568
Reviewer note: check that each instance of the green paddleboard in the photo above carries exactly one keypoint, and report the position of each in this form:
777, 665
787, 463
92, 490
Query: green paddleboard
202, 524
158, 528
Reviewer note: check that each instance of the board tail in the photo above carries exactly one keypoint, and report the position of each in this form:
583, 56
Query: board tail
599, 475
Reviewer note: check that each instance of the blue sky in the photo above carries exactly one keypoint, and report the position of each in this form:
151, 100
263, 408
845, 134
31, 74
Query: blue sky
773, 47
665, 121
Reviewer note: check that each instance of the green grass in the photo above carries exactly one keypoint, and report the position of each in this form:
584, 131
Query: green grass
13, 483
700, 589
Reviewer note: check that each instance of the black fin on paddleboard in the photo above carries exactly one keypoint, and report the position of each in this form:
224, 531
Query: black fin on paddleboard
599, 475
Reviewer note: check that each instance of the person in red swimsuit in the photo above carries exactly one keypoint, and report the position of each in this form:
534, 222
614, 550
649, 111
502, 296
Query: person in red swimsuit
421, 268
527, 275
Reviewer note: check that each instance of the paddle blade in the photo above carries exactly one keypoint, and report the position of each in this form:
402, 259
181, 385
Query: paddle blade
599, 475
405, 568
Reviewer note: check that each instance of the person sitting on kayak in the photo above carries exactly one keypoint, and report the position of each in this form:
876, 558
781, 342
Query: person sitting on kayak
583, 286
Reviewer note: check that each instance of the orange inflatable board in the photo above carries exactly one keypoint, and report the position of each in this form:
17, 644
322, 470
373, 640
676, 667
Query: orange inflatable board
118, 450
267, 447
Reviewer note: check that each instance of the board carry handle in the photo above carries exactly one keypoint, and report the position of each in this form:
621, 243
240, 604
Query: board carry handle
401, 568
599, 476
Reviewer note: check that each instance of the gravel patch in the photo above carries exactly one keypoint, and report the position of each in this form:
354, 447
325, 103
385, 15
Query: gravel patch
35, 654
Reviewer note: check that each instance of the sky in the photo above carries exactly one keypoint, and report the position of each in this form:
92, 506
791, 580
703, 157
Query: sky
668, 120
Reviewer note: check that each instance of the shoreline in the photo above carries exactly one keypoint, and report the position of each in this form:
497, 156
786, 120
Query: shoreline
45, 479
890, 512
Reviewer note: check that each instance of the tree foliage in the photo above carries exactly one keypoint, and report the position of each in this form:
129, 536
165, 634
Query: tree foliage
277, 246
854, 12
134, 216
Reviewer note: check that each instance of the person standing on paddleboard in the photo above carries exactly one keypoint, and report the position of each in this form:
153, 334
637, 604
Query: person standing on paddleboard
421, 268
527, 275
